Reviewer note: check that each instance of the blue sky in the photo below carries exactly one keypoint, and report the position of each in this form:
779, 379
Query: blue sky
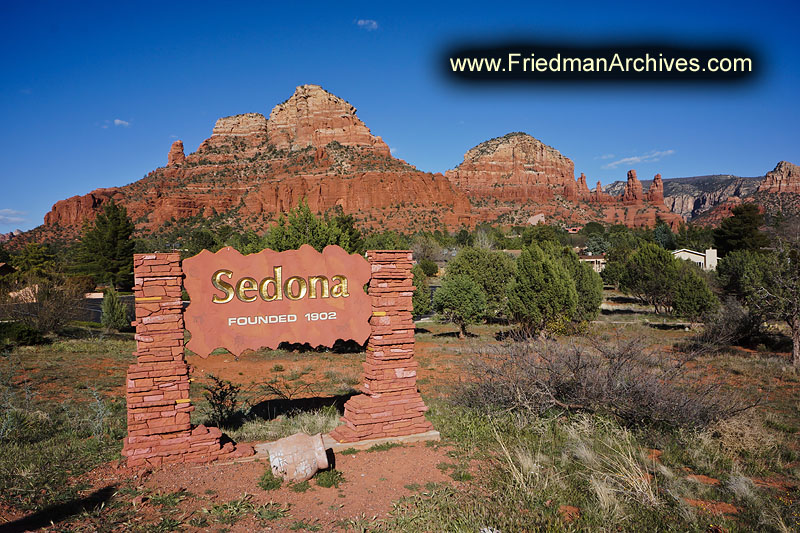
93, 94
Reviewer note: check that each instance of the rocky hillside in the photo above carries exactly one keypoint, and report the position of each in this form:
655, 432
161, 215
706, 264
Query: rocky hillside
692, 196
313, 147
251, 169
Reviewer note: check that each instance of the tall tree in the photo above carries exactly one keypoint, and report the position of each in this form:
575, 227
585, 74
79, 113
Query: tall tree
106, 248
740, 231
34, 261
421, 299
588, 283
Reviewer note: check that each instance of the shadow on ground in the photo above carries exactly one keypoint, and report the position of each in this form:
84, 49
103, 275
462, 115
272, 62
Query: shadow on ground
57, 513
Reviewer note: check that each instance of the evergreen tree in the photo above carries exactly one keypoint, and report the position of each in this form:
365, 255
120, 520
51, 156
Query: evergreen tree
650, 274
597, 244
35, 261
459, 300
301, 226
740, 231
491, 270
114, 311
663, 236
588, 283
692, 298
542, 292
422, 292
106, 249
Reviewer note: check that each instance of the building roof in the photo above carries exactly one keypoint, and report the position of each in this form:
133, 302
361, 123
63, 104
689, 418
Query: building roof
688, 251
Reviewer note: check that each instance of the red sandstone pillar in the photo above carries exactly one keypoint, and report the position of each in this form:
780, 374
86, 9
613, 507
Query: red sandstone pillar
392, 405
158, 402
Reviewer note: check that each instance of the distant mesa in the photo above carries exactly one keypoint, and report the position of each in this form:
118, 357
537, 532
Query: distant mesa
313, 147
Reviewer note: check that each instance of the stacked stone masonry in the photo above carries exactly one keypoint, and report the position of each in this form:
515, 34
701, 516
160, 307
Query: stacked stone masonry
391, 405
159, 430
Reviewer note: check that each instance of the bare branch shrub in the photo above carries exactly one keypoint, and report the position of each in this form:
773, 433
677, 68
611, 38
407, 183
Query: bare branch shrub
623, 378
46, 304
733, 324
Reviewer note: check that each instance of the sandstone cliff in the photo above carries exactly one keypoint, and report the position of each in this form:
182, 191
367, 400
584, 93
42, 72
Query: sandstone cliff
251, 169
785, 177
514, 167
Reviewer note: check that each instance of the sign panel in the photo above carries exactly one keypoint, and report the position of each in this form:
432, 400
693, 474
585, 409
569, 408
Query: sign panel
241, 302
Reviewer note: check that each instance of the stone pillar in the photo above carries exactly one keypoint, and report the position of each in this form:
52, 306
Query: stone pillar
391, 405
159, 430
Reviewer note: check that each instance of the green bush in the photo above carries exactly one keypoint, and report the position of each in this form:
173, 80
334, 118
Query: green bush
460, 301
20, 334
430, 268
491, 270
269, 481
421, 300
542, 291
329, 478
115, 312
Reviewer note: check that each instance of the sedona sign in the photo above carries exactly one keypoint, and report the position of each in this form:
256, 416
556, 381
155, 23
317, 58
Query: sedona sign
241, 302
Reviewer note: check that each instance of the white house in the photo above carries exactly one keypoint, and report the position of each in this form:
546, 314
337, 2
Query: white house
706, 260
598, 262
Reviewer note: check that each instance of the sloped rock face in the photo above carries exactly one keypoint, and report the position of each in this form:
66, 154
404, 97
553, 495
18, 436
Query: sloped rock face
515, 167
176, 156
250, 171
785, 177
75, 210
315, 117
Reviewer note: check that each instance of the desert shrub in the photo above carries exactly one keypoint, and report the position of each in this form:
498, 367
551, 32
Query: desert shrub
329, 478
20, 334
588, 283
650, 275
430, 268
491, 270
625, 379
223, 401
45, 304
421, 300
115, 312
542, 291
460, 301
692, 297
732, 325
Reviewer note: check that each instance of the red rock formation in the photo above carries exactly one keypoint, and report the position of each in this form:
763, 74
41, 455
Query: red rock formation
598, 196
176, 156
785, 177
75, 210
315, 117
583, 189
655, 195
239, 167
514, 167
633, 190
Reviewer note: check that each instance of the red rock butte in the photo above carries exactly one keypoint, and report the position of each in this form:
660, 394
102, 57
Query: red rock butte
313, 147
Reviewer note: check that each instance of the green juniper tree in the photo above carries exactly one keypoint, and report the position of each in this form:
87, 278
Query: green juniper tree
421, 299
542, 291
491, 270
460, 300
106, 248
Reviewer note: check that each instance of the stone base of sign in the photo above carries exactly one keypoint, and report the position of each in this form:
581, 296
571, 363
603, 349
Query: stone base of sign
159, 430
391, 405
